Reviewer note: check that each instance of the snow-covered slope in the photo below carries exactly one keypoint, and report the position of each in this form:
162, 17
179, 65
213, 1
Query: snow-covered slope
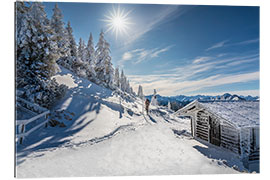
88, 110
108, 135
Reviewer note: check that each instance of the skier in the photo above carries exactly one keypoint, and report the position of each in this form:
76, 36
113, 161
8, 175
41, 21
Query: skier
147, 102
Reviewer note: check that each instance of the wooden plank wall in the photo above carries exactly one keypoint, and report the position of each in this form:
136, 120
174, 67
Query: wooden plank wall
255, 138
240, 141
245, 141
202, 129
230, 137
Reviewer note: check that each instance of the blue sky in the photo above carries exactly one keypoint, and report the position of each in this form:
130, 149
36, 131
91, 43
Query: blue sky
177, 49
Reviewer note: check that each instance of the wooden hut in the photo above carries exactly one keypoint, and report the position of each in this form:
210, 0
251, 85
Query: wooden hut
232, 125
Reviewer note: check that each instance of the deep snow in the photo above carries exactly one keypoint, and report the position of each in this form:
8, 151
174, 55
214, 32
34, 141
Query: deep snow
242, 114
107, 135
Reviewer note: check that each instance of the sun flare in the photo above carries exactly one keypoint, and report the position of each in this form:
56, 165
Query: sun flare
118, 22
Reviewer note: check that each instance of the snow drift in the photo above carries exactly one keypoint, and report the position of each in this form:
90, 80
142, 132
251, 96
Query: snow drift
105, 134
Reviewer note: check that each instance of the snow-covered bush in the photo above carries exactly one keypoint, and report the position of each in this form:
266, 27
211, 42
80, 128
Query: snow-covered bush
43, 93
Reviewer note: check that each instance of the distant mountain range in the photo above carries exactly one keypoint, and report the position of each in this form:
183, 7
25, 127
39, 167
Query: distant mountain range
182, 100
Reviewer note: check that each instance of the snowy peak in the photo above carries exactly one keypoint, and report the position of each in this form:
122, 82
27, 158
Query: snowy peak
224, 97
229, 97
181, 100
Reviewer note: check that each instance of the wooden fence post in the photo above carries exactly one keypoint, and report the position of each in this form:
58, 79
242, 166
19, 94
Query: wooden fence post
22, 131
46, 117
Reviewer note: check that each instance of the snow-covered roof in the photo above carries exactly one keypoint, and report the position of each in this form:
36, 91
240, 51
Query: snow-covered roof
242, 114
193, 103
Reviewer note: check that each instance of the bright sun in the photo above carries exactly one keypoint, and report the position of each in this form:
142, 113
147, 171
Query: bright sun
117, 21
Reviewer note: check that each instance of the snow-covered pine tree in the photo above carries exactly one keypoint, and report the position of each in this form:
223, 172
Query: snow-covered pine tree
109, 70
77, 65
117, 78
23, 43
36, 55
71, 46
84, 53
122, 81
169, 105
44, 47
132, 91
104, 68
80, 66
91, 59
140, 92
128, 88
141, 96
126, 85
61, 36
81, 49
154, 98
100, 66
22, 18
72, 42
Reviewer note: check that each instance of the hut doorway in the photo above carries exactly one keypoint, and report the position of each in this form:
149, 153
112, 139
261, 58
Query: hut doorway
202, 130
214, 131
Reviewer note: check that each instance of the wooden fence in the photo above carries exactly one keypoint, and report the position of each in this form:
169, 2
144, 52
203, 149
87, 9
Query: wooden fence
21, 131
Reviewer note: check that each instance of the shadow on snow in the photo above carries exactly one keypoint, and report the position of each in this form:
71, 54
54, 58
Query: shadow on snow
86, 97
222, 156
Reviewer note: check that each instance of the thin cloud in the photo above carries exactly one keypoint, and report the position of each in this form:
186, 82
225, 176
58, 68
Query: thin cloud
167, 86
247, 42
221, 55
150, 54
127, 56
200, 59
139, 55
224, 44
195, 76
241, 62
154, 20
156, 53
218, 45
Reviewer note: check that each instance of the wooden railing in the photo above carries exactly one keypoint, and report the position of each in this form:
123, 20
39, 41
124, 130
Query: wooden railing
21, 131
22, 124
29, 105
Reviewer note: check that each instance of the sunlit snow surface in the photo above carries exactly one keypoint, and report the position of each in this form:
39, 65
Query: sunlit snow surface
65, 79
105, 138
242, 114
